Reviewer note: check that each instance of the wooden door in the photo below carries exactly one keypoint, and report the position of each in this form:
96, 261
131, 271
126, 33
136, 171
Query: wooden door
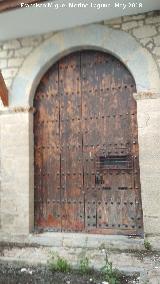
86, 147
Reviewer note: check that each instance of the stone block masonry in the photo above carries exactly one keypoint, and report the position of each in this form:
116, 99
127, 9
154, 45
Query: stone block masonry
144, 27
14, 52
15, 156
16, 131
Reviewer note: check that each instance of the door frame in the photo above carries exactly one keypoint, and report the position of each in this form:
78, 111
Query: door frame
138, 60
56, 73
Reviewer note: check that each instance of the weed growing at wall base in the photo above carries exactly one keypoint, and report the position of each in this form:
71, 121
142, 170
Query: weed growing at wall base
84, 266
57, 263
147, 245
111, 274
85, 272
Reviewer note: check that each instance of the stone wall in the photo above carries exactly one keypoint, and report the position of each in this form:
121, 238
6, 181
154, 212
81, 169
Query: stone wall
14, 52
144, 27
16, 208
16, 141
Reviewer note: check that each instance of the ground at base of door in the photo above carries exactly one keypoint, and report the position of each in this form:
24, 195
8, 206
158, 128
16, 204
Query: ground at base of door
127, 254
28, 264
17, 273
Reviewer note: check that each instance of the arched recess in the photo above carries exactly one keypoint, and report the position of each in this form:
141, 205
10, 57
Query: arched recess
122, 45
86, 147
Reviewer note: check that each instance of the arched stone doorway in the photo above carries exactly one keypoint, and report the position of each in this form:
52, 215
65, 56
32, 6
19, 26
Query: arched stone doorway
142, 66
86, 147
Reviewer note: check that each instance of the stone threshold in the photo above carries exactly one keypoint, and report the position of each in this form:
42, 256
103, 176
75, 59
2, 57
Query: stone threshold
75, 240
126, 253
129, 261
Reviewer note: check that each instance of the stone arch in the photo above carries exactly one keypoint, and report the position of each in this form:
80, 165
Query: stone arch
122, 45
145, 72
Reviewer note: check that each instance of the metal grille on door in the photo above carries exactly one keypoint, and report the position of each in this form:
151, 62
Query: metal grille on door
86, 147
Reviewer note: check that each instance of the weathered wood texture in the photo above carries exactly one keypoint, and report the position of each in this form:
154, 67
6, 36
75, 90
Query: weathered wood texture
12, 4
3, 91
86, 147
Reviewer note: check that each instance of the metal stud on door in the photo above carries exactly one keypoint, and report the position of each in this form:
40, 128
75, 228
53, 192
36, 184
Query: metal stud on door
47, 153
72, 205
109, 129
86, 147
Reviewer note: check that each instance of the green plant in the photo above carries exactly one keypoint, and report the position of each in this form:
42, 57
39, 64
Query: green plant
111, 274
57, 263
147, 245
84, 266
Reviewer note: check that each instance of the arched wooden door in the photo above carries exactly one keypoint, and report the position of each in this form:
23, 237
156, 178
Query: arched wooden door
86, 147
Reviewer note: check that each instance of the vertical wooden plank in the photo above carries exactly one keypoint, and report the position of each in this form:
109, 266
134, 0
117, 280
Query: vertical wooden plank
108, 130
92, 105
90, 137
71, 144
47, 152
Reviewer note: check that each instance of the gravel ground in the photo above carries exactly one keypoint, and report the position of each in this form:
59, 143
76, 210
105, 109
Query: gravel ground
16, 274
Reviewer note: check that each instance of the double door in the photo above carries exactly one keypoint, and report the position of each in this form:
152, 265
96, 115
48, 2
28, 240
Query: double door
86, 147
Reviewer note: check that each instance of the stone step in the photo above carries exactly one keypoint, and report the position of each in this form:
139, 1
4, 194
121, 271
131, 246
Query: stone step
146, 264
